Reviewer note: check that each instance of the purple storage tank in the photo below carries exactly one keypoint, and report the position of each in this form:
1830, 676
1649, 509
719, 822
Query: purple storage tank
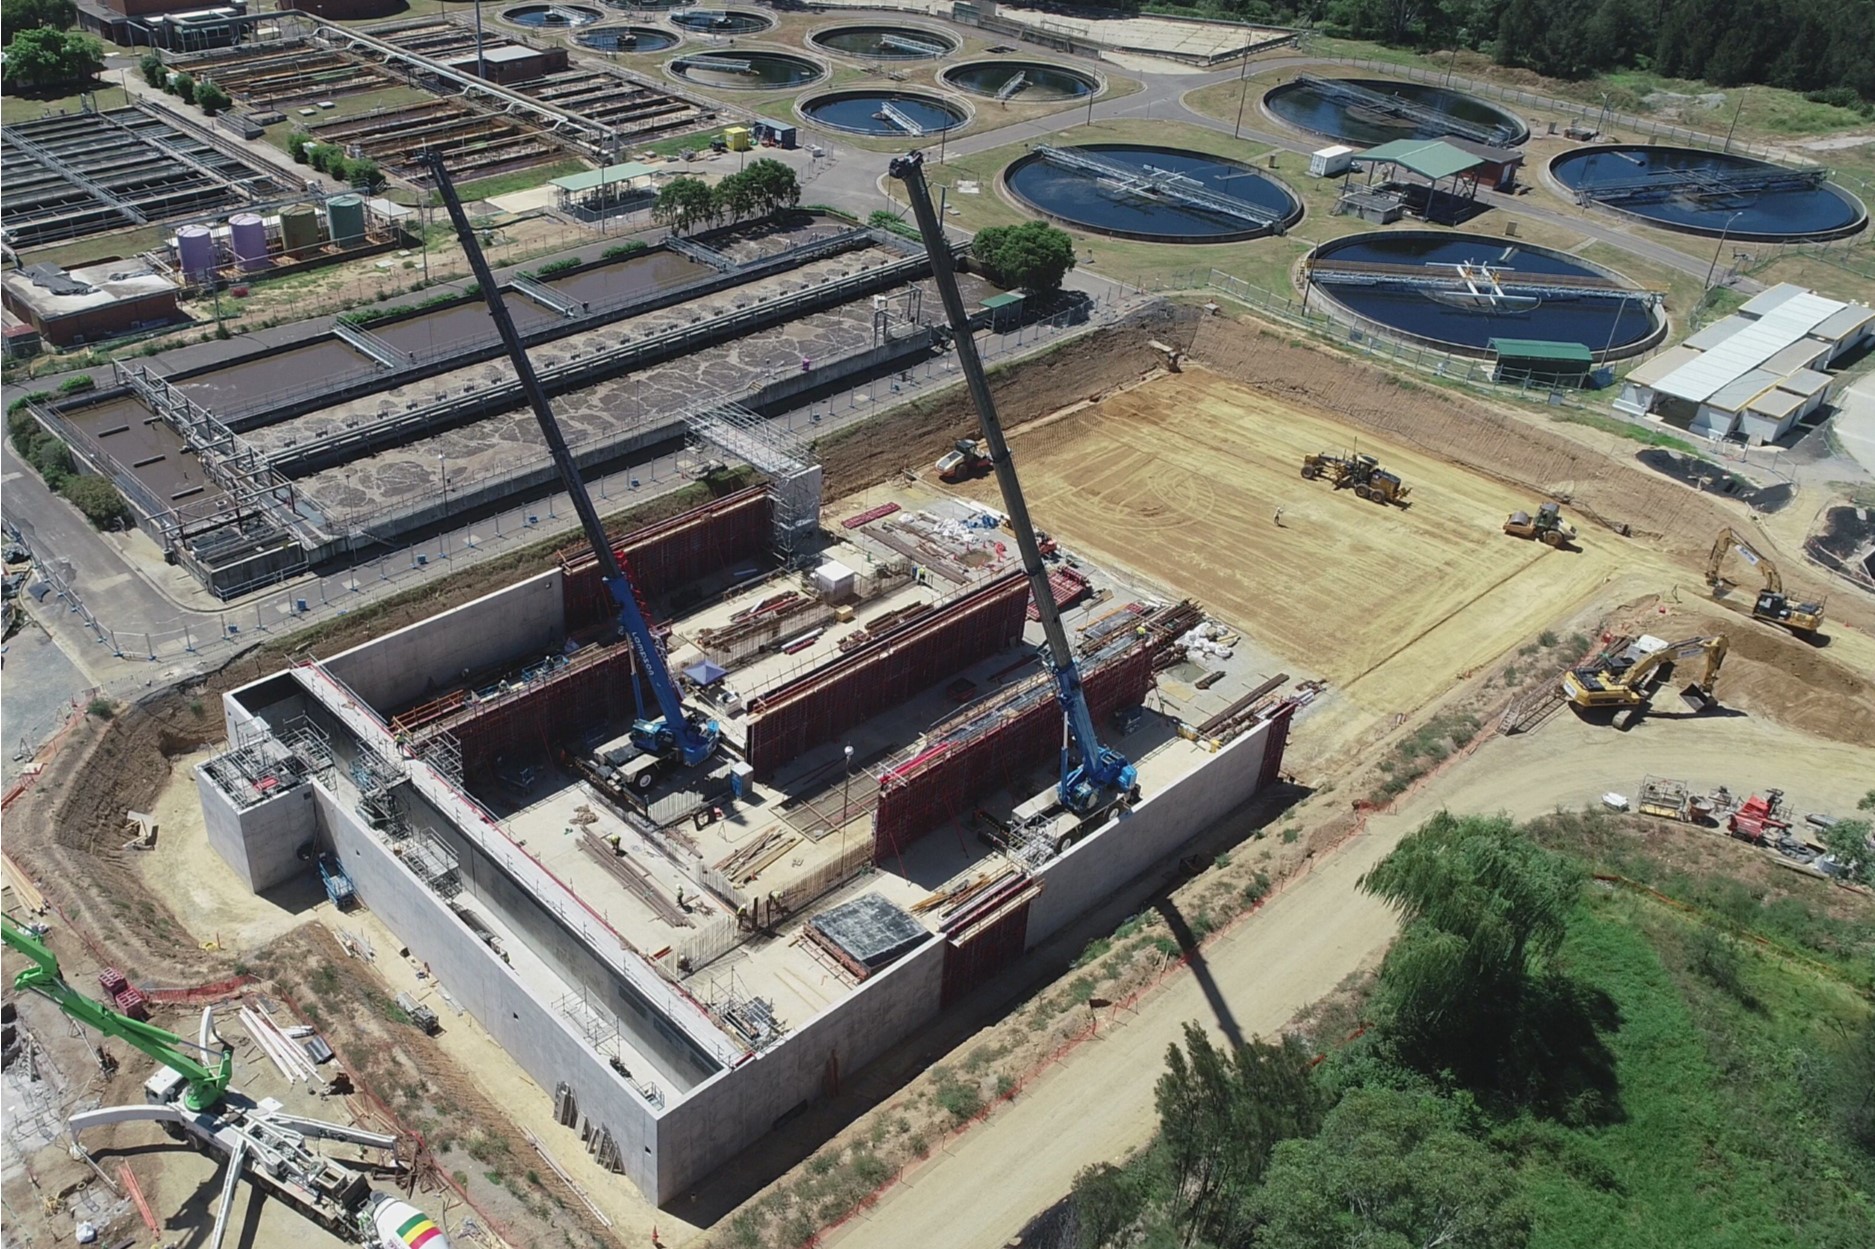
195, 251
249, 240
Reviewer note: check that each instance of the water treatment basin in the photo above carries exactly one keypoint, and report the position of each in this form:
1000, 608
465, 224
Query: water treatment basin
1710, 193
1160, 194
552, 16
627, 39
722, 21
1021, 80
1370, 111
745, 69
900, 114
885, 42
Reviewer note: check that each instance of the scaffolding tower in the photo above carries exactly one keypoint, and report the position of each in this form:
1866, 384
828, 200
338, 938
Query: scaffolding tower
794, 484
1151, 183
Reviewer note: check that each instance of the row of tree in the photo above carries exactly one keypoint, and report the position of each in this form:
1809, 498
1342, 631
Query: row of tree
765, 186
1391, 1141
330, 159
206, 94
1817, 46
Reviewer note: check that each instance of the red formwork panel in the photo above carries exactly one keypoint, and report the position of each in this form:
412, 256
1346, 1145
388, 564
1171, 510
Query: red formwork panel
973, 957
1276, 743
850, 689
530, 723
942, 785
665, 556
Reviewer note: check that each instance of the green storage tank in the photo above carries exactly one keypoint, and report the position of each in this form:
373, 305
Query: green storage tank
347, 216
299, 230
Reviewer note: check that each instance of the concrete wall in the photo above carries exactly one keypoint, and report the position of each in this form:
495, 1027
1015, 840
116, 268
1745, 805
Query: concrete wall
261, 842
1094, 868
517, 624
738, 1107
521, 1021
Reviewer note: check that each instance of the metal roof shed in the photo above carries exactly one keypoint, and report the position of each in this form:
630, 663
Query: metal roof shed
1437, 162
1541, 360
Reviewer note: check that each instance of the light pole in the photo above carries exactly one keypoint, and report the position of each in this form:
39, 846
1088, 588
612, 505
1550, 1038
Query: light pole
1243, 95
442, 537
1714, 266
846, 802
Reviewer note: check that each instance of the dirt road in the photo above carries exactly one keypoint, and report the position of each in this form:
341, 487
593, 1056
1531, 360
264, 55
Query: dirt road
1180, 480
1099, 1103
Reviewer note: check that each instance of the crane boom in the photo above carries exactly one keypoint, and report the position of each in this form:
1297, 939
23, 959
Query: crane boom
675, 733
204, 1085
1099, 772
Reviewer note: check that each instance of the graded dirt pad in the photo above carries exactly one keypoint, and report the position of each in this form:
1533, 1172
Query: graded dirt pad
1179, 481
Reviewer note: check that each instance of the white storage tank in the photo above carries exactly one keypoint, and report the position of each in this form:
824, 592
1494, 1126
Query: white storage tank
834, 581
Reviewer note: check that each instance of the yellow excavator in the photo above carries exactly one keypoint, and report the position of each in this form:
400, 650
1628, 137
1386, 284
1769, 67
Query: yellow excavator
1360, 473
1771, 604
1624, 682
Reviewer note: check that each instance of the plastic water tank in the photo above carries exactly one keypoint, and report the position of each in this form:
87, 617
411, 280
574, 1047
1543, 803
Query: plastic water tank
347, 215
249, 239
299, 230
195, 251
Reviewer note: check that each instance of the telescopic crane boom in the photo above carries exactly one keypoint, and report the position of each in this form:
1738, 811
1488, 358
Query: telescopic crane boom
675, 734
203, 1084
1091, 772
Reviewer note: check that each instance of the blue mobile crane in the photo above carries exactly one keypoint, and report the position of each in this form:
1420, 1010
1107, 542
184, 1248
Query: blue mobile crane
1093, 775
675, 737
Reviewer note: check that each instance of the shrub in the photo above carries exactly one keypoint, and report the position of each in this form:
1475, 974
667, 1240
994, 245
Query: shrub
959, 1099
297, 146
153, 70
211, 99
73, 385
622, 250
98, 499
102, 708
558, 266
184, 87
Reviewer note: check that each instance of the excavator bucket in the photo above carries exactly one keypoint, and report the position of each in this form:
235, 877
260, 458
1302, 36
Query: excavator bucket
1695, 698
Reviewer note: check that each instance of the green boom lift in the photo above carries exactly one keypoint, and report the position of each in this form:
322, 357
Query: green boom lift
203, 1085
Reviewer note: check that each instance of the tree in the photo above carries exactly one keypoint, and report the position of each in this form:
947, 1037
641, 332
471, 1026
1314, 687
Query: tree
98, 499
737, 196
42, 59
1848, 841
211, 99
297, 145
683, 203
1389, 1169
774, 184
1220, 1114
151, 66
364, 172
1482, 907
19, 16
1034, 256
184, 87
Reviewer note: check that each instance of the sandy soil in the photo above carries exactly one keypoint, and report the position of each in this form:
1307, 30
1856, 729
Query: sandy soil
1179, 480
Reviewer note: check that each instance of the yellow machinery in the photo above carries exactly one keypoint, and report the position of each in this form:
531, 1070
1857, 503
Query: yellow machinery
1547, 526
1362, 473
1771, 603
1623, 683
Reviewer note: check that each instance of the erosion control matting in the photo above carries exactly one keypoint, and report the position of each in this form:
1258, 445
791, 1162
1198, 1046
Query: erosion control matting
866, 933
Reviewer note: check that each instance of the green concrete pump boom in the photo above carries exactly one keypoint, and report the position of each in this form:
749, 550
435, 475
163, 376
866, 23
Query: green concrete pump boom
204, 1085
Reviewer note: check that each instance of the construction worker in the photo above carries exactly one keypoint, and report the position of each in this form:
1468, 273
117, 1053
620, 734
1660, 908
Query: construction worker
1279, 516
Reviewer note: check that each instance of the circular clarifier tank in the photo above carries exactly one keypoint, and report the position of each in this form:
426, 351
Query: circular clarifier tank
1460, 291
627, 39
1370, 111
746, 69
551, 16
1710, 193
885, 42
901, 114
1021, 80
722, 21
1159, 194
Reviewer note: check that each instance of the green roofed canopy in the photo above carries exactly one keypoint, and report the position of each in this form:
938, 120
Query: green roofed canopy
995, 302
593, 179
1433, 159
1540, 349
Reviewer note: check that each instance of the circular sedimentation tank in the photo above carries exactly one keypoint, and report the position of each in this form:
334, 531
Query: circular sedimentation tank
883, 42
627, 39
865, 112
1021, 80
1370, 111
1710, 193
1459, 291
551, 16
1159, 194
722, 21
746, 69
